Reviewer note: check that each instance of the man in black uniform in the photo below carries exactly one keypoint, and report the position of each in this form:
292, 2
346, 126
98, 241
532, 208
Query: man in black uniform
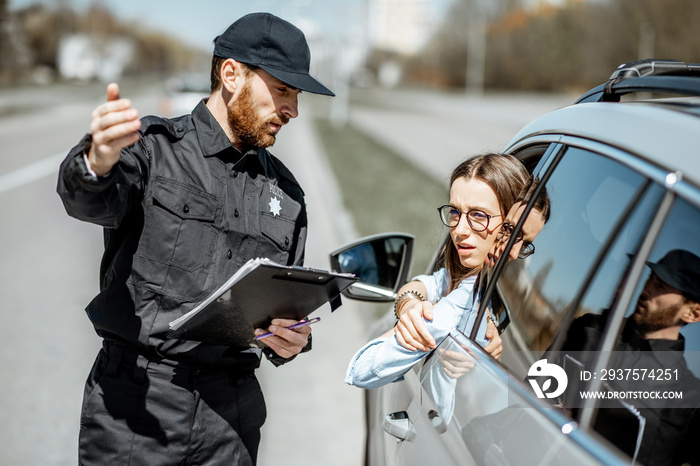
651, 341
185, 202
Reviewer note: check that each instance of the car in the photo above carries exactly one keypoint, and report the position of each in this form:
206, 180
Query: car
623, 179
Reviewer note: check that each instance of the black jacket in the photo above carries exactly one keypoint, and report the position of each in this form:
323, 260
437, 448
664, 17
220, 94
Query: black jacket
182, 210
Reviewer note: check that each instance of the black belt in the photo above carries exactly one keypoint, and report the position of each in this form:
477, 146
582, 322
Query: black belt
120, 355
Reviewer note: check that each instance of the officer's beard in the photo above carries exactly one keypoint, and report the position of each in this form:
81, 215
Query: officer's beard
247, 125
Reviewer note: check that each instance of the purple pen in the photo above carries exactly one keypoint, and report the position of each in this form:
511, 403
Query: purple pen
297, 325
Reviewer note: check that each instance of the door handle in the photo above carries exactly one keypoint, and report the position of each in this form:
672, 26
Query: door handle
437, 421
399, 425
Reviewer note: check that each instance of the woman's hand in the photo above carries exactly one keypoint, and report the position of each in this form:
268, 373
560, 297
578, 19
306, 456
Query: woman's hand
411, 331
495, 345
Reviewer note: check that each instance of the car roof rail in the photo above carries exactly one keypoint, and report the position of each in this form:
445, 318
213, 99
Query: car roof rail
666, 76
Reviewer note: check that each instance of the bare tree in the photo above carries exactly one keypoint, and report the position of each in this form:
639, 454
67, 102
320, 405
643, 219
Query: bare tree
553, 48
15, 58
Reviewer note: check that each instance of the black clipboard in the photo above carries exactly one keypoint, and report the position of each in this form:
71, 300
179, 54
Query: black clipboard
258, 292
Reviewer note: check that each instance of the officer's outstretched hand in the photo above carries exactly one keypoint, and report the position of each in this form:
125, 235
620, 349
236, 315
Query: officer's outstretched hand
114, 126
285, 342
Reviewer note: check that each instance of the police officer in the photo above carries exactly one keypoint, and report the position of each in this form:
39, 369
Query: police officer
651, 341
185, 202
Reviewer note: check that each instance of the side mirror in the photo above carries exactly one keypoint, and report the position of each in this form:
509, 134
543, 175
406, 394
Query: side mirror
380, 262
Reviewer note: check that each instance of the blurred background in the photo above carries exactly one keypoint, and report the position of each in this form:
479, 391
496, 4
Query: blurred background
543, 45
420, 85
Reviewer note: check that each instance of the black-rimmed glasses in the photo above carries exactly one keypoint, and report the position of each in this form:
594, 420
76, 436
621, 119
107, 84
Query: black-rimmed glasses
526, 250
478, 219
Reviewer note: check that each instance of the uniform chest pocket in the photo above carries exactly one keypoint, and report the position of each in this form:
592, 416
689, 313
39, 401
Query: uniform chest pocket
178, 237
279, 234
279, 230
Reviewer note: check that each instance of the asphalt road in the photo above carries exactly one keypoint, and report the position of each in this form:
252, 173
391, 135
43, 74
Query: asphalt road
50, 262
437, 130
48, 272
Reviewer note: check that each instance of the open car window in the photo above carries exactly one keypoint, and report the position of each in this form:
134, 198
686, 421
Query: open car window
588, 195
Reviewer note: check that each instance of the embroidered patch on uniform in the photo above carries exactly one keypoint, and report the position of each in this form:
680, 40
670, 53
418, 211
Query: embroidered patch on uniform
275, 206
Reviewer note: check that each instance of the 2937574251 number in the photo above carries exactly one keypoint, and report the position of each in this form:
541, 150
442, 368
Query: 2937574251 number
639, 374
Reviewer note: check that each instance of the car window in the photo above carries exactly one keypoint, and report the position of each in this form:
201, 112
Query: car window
651, 375
608, 277
681, 231
560, 300
588, 194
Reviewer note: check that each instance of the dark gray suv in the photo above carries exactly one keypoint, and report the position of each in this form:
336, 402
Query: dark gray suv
586, 376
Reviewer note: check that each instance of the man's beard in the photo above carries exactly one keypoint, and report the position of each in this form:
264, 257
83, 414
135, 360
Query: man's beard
658, 320
245, 123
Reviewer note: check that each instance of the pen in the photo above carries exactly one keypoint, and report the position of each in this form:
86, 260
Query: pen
300, 324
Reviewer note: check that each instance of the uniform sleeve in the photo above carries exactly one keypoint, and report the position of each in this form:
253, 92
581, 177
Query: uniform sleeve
102, 200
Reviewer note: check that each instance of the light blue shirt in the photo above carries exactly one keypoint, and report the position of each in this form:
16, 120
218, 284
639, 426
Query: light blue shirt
384, 360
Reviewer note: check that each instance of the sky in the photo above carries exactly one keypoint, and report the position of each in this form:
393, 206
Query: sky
199, 22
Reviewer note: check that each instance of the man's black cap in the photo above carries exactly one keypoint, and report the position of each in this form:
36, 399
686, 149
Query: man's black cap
681, 270
273, 44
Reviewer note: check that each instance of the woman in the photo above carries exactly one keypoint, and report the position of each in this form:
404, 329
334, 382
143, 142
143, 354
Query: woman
411, 331
482, 191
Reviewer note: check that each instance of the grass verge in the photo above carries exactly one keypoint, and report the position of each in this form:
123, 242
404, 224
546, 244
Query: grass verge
383, 191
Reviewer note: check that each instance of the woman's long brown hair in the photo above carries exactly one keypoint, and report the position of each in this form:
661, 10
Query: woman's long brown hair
507, 176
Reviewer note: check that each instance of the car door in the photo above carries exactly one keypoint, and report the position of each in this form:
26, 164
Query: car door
476, 414
612, 214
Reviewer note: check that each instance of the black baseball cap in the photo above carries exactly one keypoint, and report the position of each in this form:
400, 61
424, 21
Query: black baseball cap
273, 44
681, 270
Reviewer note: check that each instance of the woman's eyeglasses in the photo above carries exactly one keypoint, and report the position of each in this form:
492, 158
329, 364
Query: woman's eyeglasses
526, 250
478, 219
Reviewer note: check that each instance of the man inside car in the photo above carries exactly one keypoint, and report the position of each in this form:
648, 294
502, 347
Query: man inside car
651, 340
655, 433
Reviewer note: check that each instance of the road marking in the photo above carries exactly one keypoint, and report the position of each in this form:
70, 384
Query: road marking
32, 172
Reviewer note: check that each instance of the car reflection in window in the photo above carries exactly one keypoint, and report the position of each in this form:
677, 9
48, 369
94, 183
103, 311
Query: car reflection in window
658, 337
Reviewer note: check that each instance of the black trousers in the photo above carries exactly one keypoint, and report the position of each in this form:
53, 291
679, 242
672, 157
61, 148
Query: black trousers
141, 412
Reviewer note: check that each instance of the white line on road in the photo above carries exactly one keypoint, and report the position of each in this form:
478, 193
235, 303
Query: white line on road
32, 172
